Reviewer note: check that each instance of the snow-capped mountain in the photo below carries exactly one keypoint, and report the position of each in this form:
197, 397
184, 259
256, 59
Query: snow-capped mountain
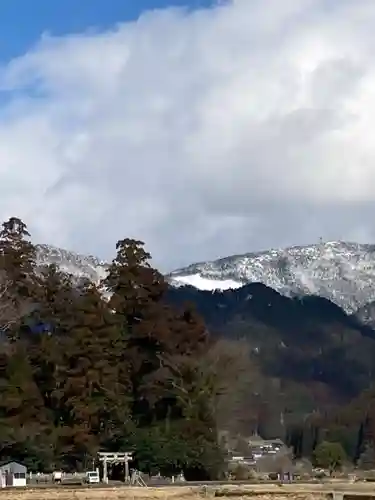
340, 271
80, 266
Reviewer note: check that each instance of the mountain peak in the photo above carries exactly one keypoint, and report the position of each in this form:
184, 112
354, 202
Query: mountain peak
80, 266
343, 272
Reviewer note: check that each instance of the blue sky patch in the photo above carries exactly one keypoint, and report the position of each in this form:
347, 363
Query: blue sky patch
23, 21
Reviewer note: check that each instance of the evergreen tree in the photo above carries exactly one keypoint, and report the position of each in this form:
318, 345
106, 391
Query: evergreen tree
134, 284
57, 301
17, 252
18, 280
92, 383
136, 290
159, 449
329, 455
51, 320
152, 328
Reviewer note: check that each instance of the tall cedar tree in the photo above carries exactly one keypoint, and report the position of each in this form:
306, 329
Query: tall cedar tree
92, 381
155, 333
133, 282
152, 329
136, 292
17, 268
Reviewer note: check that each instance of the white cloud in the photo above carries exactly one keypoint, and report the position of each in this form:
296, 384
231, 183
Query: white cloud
203, 133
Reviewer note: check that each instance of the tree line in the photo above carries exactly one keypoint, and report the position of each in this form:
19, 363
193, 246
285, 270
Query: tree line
87, 367
113, 366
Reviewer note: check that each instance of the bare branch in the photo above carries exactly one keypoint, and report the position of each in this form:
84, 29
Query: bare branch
213, 380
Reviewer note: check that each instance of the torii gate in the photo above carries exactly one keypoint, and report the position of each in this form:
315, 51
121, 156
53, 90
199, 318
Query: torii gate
113, 459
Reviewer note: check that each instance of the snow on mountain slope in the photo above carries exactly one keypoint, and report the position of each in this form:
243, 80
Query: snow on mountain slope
87, 266
202, 283
80, 266
340, 271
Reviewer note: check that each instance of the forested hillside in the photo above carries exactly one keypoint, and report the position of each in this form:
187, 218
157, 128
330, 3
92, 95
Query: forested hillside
79, 374
310, 364
162, 371
308, 340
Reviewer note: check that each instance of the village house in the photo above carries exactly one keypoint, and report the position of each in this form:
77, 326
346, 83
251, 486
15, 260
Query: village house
12, 474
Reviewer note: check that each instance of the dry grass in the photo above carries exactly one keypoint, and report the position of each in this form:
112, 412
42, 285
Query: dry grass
260, 491
116, 493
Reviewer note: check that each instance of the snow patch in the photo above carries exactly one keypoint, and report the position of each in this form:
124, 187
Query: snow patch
201, 283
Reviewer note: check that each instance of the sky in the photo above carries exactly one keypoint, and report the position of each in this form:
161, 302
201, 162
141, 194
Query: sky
205, 131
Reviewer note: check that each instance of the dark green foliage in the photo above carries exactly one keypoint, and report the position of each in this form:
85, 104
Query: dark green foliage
205, 456
159, 448
329, 455
180, 445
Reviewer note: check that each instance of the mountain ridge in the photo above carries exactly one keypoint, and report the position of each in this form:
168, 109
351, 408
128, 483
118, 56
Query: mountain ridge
76, 264
342, 272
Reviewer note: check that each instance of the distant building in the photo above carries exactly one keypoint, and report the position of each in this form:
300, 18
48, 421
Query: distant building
12, 474
265, 447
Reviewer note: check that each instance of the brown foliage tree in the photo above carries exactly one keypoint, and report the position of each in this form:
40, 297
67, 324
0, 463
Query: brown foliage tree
134, 284
92, 380
150, 327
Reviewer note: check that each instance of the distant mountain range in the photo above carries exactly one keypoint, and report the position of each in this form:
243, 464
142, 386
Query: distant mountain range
342, 272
